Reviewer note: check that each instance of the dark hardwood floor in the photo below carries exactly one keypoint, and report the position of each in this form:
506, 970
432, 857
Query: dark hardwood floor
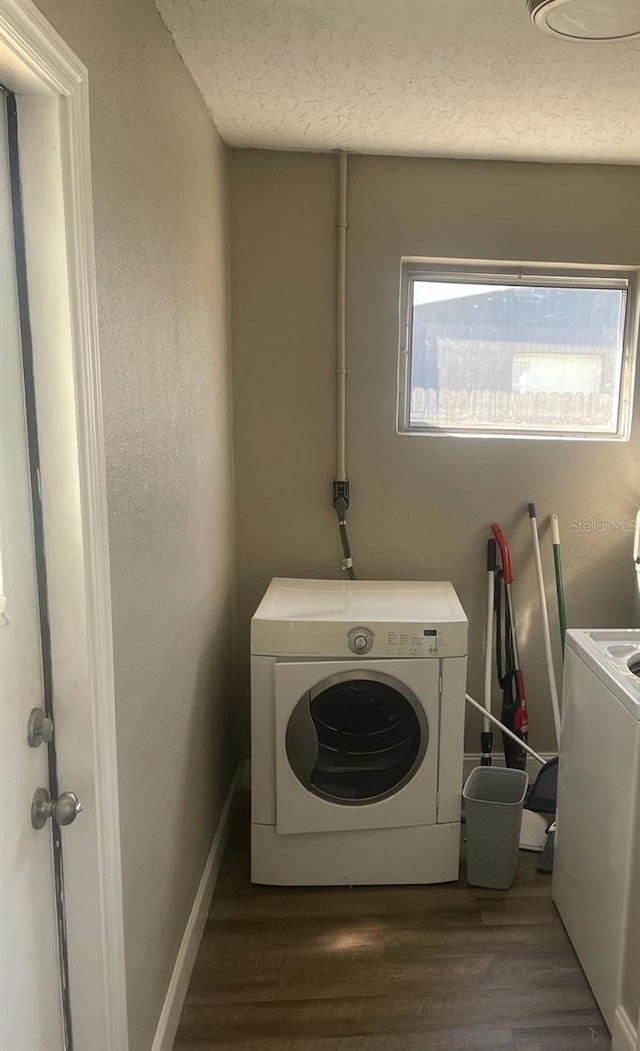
385, 968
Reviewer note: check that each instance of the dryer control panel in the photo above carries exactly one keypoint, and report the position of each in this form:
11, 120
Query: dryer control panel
404, 641
413, 641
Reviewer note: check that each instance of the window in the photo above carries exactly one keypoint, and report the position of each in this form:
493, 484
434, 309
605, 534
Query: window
495, 350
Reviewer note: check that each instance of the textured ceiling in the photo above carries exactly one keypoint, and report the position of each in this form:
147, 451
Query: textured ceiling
448, 78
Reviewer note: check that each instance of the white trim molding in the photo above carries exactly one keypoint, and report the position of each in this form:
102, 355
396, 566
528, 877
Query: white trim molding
40, 61
37, 65
625, 1036
186, 958
76, 155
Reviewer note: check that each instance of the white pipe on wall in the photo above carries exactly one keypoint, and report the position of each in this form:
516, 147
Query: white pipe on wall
341, 325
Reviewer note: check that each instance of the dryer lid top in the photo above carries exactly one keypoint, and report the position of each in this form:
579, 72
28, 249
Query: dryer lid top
361, 601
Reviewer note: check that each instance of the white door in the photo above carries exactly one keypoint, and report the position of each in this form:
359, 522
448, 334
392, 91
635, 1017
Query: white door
31, 1016
50, 86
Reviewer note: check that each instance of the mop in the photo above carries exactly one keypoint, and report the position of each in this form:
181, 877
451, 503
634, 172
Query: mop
486, 736
546, 634
557, 562
514, 722
549, 785
510, 676
543, 794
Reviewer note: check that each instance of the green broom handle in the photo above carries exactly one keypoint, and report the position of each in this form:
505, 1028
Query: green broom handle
557, 562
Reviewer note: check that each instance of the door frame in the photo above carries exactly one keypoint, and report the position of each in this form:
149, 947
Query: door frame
52, 91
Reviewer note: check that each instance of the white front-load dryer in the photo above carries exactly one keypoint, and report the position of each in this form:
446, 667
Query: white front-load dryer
357, 732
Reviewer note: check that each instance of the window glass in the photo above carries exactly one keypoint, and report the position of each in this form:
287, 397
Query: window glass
514, 357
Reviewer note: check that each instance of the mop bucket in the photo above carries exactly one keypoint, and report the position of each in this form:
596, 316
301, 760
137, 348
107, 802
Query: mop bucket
494, 799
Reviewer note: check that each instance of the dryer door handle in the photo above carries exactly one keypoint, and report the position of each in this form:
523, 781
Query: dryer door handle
302, 741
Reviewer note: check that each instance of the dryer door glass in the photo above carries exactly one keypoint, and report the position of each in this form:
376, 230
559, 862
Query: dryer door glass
357, 737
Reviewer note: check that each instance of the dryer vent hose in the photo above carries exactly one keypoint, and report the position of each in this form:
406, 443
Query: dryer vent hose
347, 562
340, 503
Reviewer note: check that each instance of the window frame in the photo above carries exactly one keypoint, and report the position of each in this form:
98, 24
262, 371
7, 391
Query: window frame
625, 279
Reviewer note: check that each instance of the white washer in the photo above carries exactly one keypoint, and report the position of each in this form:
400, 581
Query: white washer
598, 797
357, 719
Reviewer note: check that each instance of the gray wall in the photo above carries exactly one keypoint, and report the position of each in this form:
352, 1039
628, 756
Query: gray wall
421, 507
161, 240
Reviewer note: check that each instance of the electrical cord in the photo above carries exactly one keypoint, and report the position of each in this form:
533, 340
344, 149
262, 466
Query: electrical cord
347, 562
341, 503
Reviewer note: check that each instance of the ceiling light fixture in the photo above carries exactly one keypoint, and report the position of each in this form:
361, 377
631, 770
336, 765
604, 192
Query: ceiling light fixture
593, 20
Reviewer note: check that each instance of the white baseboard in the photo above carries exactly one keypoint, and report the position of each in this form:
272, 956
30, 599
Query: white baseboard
472, 759
185, 960
625, 1036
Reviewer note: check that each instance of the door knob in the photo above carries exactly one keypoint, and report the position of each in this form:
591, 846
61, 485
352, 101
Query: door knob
64, 809
39, 728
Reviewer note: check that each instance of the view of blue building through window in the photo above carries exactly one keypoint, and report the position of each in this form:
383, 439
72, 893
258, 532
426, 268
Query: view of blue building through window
515, 358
